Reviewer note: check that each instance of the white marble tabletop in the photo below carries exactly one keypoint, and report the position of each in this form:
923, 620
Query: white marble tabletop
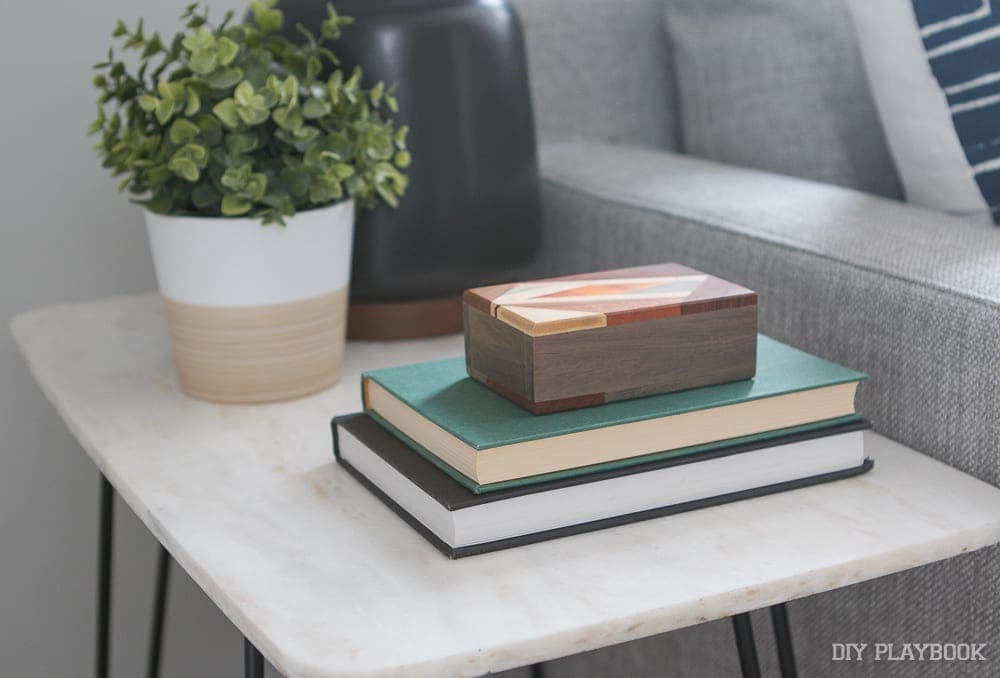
326, 581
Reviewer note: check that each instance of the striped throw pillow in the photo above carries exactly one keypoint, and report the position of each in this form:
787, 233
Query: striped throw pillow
934, 68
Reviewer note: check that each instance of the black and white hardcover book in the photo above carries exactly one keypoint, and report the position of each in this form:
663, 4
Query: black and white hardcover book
461, 523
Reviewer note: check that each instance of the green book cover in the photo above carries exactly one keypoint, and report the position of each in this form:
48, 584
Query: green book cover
442, 392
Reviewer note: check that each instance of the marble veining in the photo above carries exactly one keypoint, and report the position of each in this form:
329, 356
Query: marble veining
326, 581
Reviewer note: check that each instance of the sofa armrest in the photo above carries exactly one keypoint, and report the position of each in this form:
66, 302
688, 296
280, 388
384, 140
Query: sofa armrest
908, 295
600, 71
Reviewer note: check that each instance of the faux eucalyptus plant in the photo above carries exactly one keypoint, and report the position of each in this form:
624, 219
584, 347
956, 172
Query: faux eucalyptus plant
233, 119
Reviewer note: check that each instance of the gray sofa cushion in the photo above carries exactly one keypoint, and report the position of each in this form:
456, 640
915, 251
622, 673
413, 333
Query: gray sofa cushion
903, 293
778, 85
581, 85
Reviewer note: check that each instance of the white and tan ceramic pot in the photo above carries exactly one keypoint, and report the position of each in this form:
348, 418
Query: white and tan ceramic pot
256, 313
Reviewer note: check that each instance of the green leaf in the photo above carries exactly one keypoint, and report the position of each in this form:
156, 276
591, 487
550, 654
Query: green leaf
297, 181
304, 138
194, 152
165, 92
315, 158
204, 196
225, 77
243, 93
193, 102
147, 102
384, 170
226, 18
268, 19
305, 133
330, 28
390, 198
313, 68
202, 39
380, 148
164, 111
255, 187
184, 168
334, 85
154, 46
234, 205
225, 111
183, 131
314, 108
120, 29
211, 129
238, 144
236, 178
342, 170
274, 217
174, 92
227, 51
354, 80
252, 116
354, 184
340, 144
203, 61
288, 117
267, 99
290, 90
402, 159
158, 175
159, 203
324, 189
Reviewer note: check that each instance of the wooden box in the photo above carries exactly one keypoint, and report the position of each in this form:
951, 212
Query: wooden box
581, 340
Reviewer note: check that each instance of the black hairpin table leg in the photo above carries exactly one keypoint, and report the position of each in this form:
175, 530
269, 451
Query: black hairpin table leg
745, 645
159, 612
783, 639
536, 670
105, 530
253, 661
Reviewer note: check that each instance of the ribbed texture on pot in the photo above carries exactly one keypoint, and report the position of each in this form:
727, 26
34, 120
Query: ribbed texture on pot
258, 354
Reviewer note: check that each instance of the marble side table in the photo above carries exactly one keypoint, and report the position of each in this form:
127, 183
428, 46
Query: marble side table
324, 580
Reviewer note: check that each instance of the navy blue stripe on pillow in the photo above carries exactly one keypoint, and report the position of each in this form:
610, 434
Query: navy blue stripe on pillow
962, 42
943, 22
965, 65
971, 93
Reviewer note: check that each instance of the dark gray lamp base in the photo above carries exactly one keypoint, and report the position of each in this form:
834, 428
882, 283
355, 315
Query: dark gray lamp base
470, 216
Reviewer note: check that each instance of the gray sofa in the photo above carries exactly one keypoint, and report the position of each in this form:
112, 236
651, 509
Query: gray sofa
906, 294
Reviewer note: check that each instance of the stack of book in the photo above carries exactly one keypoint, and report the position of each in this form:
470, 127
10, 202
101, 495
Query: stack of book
456, 449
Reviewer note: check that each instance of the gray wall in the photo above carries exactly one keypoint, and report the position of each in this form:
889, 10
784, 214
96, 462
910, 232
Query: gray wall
68, 236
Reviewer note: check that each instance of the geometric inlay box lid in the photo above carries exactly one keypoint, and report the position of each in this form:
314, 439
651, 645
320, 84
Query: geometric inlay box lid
592, 300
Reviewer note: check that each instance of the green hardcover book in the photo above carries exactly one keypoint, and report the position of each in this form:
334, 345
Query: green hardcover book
486, 442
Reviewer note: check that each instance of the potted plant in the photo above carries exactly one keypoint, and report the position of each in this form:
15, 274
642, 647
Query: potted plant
250, 162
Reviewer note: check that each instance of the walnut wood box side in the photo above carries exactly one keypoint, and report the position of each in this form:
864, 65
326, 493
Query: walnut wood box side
588, 367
